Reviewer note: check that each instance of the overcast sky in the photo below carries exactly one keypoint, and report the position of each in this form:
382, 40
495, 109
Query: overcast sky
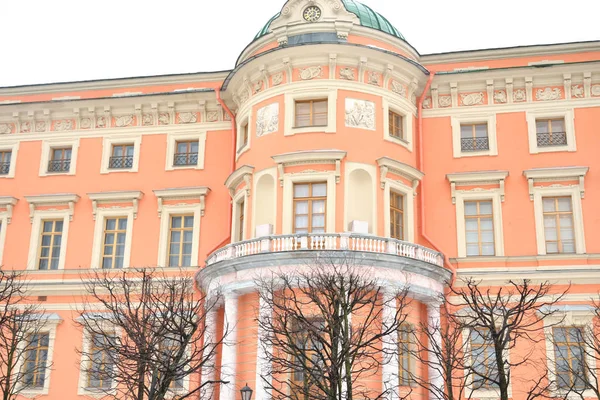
45, 41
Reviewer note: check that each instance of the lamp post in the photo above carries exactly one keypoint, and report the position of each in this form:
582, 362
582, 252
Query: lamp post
246, 392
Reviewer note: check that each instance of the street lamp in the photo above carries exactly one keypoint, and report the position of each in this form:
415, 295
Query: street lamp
246, 392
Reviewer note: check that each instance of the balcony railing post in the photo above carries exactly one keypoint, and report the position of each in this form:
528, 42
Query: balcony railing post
265, 244
304, 242
345, 240
391, 246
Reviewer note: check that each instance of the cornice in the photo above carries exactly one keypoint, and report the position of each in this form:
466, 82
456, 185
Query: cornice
187, 193
8, 202
243, 173
310, 157
387, 164
459, 179
558, 174
114, 197
58, 199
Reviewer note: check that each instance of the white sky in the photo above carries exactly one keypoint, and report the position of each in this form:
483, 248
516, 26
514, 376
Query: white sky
45, 41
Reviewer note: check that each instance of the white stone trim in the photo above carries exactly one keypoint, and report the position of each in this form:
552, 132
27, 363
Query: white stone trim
288, 196
229, 350
3, 227
477, 178
97, 244
240, 123
569, 118
387, 164
240, 197
310, 157
408, 193
559, 174
174, 137
163, 239
48, 145
372, 171
187, 193
82, 389
50, 325
473, 118
34, 241
116, 197
294, 95
243, 173
66, 199
8, 202
14, 149
539, 192
390, 104
107, 144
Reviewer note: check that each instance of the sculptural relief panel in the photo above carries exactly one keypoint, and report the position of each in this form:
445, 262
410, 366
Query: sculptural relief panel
548, 93
595, 90
310, 73
360, 114
519, 95
123, 121
63, 125
6, 128
277, 79
472, 99
267, 119
398, 88
500, 97
347, 73
187, 117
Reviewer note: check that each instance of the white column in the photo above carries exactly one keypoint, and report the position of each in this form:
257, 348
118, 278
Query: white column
389, 375
210, 332
434, 321
265, 310
228, 361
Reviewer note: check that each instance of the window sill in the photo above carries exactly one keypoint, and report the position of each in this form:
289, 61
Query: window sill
67, 173
553, 149
480, 153
33, 393
309, 129
398, 141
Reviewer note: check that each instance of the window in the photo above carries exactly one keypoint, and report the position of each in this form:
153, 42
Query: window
5, 156
310, 349
50, 244
100, 362
60, 160
245, 136
474, 137
186, 153
483, 360
181, 236
396, 125
396, 216
309, 207
311, 113
550, 132
121, 156
115, 233
240, 207
558, 225
569, 358
168, 350
404, 359
479, 228
36, 357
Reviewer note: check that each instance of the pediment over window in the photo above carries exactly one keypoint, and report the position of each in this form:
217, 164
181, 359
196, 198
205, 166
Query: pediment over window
8, 202
559, 174
60, 200
132, 196
242, 174
475, 180
389, 165
310, 157
188, 193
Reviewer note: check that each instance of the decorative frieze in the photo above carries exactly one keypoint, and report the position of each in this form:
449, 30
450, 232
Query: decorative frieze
277, 79
548, 93
374, 78
187, 117
595, 91
519, 95
347, 73
445, 101
6, 129
123, 121
309, 73
398, 88
577, 92
500, 97
472, 99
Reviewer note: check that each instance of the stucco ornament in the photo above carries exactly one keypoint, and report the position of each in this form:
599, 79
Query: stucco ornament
147, 119
471, 99
548, 94
596, 90
310, 73
26, 127
277, 79
5, 129
188, 118
360, 114
258, 86
244, 96
63, 125
373, 78
267, 119
519, 95
40, 126
500, 97
101, 122
86, 123
347, 74
124, 120
445, 101
212, 116
163, 118
398, 88
427, 103
577, 91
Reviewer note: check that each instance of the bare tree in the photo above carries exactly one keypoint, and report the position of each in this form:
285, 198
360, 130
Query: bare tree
21, 324
325, 328
495, 320
145, 335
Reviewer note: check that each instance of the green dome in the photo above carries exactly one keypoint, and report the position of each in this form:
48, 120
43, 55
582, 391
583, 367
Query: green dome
365, 14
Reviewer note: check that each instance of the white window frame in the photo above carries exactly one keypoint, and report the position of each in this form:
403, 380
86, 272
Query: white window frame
34, 242
13, 147
568, 316
3, 228
569, 118
485, 118
539, 192
102, 214
50, 323
239, 197
408, 195
85, 361
165, 218
48, 145
407, 122
107, 145
290, 100
243, 121
495, 195
173, 138
288, 197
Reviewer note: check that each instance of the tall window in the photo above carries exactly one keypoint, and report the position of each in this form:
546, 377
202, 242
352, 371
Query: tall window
395, 125
404, 362
115, 231
5, 156
50, 241
311, 113
483, 358
187, 153
101, 363
474, 137
551, 132
36, 357
309, 207
558, 225
310, 358
396, 216
181, 236
244, 136
479, 228
60, 160
240, 221
168, 350
121, 156
569, 357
